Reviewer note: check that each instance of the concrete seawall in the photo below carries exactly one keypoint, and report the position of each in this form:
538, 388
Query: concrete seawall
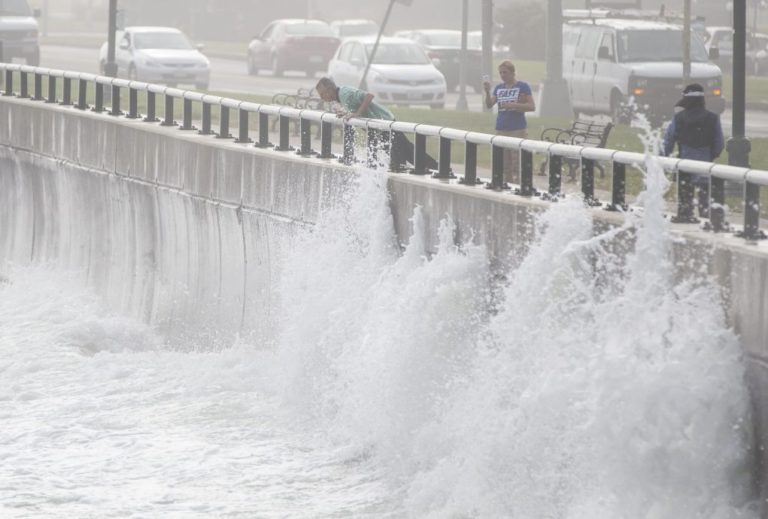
103, 195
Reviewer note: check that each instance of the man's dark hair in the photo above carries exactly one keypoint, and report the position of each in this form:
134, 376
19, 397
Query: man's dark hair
326, 82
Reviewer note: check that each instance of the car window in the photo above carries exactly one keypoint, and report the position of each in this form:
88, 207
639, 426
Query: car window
308, 29
345, 52
587, 45
358, 29
398, 54
444, 39
161, 40
657, 45
15, 8
266, 33
356, 53
723, 40
607, 42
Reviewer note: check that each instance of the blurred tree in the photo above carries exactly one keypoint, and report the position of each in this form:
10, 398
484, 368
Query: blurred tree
524, 28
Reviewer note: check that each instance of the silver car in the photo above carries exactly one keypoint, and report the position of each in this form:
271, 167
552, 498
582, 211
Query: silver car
18, 31
158, 55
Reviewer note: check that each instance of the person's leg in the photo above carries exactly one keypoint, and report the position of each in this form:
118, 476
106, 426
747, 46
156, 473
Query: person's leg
512, 157
703, 187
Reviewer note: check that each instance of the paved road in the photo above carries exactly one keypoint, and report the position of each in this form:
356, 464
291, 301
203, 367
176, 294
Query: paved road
229, 75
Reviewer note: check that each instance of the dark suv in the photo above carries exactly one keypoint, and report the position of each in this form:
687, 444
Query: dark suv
444, 48
292, 44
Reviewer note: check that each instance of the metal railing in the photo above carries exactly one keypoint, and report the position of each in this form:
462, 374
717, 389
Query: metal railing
751, 179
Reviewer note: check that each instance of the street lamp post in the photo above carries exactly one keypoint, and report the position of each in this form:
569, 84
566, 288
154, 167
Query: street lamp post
555, 100
738, 145
461, 103
110, 67
487, 41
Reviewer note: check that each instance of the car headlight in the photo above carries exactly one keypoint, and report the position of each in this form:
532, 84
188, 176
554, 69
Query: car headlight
438, 80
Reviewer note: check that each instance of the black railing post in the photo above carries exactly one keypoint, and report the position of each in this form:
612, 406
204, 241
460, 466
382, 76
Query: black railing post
752, 212
444, 160
82, 94
51, 90
38, 93
685, 195
348, 155
8, 83
242, 127
264, 131
116, 101
397, 162
717, 204
555, 175
151, 107
223, 122
305, 128
285, 134
168, 121
24, 85
99, 102
206, 115
186, 115
526, 174
588, 181
371, 148
618, 184
497, 168
66, 95
470, 164
420, 155
326, 139
133, 103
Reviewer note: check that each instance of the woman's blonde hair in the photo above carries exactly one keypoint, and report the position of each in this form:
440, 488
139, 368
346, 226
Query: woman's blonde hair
507, 65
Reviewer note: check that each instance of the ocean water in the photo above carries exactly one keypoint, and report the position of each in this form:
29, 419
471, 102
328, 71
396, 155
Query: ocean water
394, 383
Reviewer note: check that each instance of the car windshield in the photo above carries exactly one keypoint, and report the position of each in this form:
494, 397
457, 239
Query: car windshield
161, 40
308, 29
398, 54
654, 45
357, 29
14, 8
445, 39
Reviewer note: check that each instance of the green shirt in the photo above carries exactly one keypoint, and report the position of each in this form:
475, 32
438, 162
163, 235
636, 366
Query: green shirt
351, 99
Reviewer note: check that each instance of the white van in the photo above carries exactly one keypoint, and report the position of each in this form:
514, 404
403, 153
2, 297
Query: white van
18, 31
611, 62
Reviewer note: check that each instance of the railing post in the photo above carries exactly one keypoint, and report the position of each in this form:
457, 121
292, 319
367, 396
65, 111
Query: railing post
717, 204
588, 180
555, 175
67, 92
8, 83
305, 128
348, 155
420, 154
24, 86
371, 148
82, 94
264, 131
187, 115
397, 163
51, 90
206, 129
38, 93
497, 168
685, 195
99, 102
285, 134
242, 127
752, 212
618, 183
326, 138
151, 107
444, 160
133, 103
470, 164
526, 174
168, 121
223, 122
115, 101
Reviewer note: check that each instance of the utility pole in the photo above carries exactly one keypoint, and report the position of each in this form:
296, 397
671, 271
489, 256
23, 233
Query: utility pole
687, 42
487, 26
555, 100
110, 67
461, 103
738, 145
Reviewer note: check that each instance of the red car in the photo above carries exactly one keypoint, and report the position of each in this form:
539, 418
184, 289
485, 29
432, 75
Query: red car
292, 44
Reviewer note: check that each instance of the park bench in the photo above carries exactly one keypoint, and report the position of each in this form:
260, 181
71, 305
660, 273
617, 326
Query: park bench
581, 133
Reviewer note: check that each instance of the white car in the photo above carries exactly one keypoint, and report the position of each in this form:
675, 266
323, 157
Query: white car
401, 72
158, 55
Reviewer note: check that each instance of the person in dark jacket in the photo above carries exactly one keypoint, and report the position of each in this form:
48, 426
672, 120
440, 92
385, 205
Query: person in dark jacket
698, 135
